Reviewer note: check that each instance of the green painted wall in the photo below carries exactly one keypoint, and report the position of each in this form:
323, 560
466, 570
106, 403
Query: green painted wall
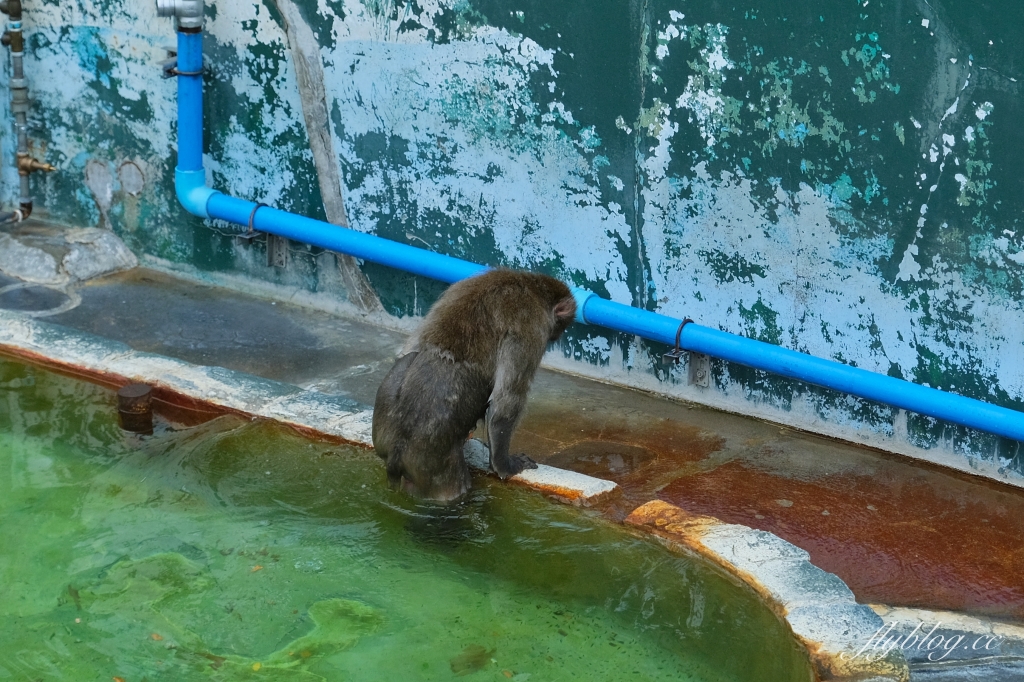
839, 176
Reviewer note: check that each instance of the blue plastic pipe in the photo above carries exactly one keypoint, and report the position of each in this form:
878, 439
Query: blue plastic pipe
342, 240
789, 363
200, 200
190, 176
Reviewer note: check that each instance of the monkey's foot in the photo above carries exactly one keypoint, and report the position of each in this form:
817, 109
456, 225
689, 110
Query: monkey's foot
516, 464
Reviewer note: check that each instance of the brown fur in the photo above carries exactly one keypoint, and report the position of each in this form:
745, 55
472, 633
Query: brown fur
473, 357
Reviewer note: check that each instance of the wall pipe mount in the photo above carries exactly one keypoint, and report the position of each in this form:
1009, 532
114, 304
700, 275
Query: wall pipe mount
23, 161
201, 200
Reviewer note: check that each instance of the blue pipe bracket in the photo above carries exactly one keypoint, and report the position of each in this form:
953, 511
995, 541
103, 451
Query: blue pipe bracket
200, 200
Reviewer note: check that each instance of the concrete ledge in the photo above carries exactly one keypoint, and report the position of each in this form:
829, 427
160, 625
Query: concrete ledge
819, 608
566, 486
116, 364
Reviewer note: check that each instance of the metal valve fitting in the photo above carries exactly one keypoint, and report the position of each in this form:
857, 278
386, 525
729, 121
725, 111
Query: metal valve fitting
27, 165
189, 13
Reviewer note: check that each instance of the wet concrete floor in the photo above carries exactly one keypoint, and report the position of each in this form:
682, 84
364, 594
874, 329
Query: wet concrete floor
204, 325
897, 531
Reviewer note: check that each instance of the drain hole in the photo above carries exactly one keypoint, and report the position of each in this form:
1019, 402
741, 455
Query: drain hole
603, 459
37, 300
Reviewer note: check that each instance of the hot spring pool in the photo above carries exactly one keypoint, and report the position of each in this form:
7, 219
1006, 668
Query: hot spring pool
237, 550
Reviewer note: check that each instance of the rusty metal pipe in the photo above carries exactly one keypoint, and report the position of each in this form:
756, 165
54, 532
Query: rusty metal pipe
14, 39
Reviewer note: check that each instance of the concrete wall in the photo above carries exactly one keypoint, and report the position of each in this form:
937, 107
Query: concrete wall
839, 176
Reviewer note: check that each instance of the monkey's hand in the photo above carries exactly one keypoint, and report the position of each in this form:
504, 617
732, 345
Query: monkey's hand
516, 465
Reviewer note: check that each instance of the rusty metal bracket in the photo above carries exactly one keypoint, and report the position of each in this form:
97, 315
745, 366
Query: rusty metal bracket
170, 69
251, 233
699, 371
673, 356
252, 218
169, 66
277, 251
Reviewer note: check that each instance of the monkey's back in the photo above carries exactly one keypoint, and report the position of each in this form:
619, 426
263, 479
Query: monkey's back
473, 315
438, 395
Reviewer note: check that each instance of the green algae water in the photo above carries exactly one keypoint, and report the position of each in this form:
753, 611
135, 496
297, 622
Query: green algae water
237, 550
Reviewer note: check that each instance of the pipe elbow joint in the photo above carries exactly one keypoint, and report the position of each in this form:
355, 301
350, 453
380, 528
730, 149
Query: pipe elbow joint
189, 13
581, 296
194, 195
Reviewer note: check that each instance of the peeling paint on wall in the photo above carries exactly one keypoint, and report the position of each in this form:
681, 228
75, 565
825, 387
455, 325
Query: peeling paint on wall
445, 142
838, 178
815, 258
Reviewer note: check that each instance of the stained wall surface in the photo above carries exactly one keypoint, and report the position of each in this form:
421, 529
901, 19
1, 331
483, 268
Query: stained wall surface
840, 177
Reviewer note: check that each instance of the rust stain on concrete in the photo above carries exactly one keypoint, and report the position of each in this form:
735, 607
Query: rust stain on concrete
897, 531
932, 540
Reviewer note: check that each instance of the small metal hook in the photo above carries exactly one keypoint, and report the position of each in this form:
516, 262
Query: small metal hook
676, 353
252, 216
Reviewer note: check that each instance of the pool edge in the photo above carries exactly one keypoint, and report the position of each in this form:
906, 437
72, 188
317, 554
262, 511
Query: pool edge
839, 634
817, 606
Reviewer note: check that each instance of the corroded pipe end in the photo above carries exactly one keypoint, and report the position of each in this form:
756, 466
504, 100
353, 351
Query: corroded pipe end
135, 408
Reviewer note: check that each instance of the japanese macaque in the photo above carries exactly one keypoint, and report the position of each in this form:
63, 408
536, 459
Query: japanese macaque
473, 358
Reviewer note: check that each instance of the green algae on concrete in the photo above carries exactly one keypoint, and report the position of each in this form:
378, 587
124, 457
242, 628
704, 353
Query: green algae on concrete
239, 550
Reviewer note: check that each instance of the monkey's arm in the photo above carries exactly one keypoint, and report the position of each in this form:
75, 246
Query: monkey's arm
517, 362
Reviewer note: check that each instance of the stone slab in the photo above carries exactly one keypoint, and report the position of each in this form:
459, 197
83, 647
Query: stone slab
819, 608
